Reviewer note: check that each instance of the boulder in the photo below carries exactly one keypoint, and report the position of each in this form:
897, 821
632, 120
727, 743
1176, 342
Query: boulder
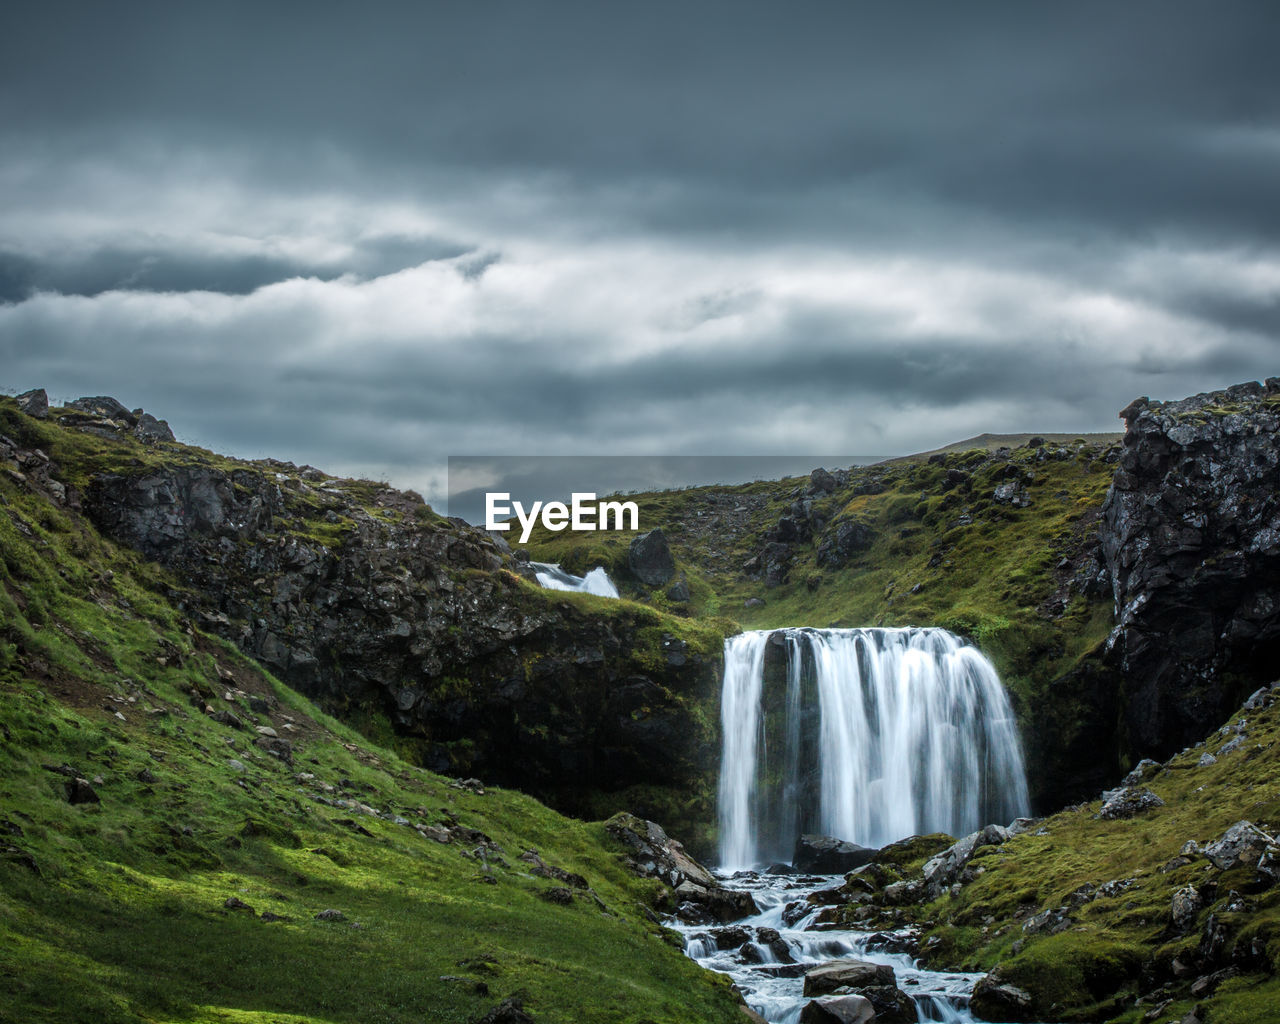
79, 791
826, 855
842, 541
1001, 1003
104, 407
1185, 905
151, 429
892, 1005
838, 1010
1127, 802
821, 482
650, 559
852, 974
1242, 845
34, 403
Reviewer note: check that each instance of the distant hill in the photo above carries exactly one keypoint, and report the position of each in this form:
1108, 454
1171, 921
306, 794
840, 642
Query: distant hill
993, 441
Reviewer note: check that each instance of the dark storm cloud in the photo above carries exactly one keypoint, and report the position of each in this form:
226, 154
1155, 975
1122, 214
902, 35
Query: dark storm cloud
722, 226
154, 269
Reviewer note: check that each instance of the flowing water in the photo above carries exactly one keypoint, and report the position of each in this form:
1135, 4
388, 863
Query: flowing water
869, 735
771, 975
552, 577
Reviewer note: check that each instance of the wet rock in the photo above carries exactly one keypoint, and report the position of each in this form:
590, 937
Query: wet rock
852, 974
731, 938
994, 1000
892, 1005
650, 559
827, 855
838, 1010
1127, 802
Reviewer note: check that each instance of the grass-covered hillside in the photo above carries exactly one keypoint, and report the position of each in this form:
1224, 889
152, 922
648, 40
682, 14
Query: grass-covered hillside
996, 544
1142, 917
183, 838
412, 627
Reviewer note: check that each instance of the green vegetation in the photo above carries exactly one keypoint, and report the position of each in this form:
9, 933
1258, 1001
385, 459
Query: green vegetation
1115, 881
117, 910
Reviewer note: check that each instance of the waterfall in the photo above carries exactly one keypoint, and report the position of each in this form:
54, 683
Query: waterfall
552, 577
868, 735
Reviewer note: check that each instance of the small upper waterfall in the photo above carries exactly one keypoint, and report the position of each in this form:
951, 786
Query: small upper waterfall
552, 577
869, 735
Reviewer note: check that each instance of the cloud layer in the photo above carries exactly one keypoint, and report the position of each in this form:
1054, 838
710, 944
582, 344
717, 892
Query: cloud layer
369, 243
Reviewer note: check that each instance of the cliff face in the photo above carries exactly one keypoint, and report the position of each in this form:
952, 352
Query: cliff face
1191, 537
362, 597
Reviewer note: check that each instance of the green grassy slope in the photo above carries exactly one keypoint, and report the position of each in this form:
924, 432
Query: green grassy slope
1113, 881
115, 910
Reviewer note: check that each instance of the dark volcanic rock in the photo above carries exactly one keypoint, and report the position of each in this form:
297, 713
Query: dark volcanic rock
995, 1001
853, 974
516, 686
1191, 538
826, 855
650, 559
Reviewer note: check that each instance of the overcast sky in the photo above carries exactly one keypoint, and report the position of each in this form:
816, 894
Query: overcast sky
369, 237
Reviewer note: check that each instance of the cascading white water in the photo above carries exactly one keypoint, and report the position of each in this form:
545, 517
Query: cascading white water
913, 733
551, 576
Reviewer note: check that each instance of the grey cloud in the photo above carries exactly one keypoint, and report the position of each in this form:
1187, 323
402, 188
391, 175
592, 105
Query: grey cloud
1051, 142
161, 268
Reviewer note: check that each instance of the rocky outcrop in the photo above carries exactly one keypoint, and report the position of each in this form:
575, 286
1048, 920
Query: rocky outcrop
34, 403
416, 612
108, 417
1191, 539
826, 855
696, 894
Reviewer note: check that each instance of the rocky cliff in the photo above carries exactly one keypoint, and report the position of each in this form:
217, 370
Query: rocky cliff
360, 596
1191, 536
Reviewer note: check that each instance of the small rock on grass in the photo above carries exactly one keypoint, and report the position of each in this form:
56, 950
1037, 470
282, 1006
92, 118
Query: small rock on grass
331, 915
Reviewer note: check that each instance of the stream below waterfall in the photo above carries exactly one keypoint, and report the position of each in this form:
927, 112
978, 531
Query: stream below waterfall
770, 975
